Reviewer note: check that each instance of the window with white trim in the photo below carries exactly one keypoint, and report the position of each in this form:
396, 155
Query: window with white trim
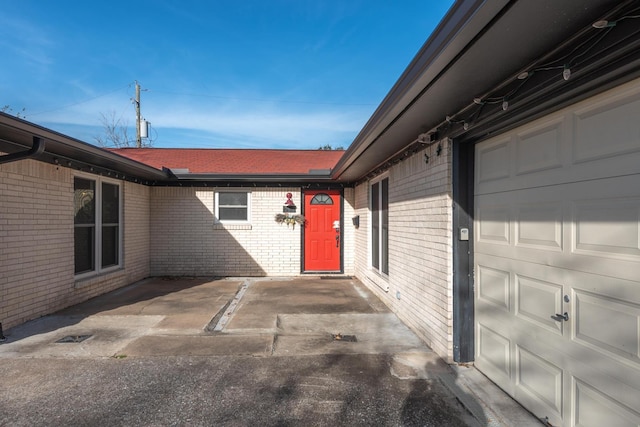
379, 192
97, 225
233, 206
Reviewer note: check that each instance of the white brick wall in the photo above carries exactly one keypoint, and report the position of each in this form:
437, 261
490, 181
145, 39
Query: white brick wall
187, 241
420, 249
349, 231
137, 235
36, 242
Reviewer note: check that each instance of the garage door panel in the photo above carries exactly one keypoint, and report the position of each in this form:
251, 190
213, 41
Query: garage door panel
493, 287
494, 353
493, 224
539, 226
615, 200
540, 382
621, 268
557, 230
537, 301
517, 298
593, 408
595, 139
606, 129
608, 325
539, 148
567, 226
608, 227
494, 160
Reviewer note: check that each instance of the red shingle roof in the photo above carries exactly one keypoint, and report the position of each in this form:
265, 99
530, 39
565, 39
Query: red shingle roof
234, 161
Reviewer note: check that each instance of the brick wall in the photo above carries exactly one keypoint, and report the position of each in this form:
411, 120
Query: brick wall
36, 242
349, 231
187, 241
137, 236
418, 287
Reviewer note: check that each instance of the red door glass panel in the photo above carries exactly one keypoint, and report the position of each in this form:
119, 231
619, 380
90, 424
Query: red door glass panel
321, 247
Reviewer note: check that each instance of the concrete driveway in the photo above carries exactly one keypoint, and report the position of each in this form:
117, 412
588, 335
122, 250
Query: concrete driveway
237, 352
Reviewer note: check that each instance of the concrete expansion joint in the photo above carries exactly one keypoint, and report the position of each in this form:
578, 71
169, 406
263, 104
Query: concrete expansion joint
230, 309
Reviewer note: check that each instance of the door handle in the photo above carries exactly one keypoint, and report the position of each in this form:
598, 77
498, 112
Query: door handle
337, 240
561, 317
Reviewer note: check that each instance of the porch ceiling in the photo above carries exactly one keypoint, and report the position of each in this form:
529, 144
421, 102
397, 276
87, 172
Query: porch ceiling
478, 50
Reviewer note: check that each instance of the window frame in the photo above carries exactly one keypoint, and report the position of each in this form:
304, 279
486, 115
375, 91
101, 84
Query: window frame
99, 226
217, 205
379, 213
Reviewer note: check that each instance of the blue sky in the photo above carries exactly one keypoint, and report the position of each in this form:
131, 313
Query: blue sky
234, 74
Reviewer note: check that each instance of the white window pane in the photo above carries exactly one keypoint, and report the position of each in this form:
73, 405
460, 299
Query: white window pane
232, 199
236, 214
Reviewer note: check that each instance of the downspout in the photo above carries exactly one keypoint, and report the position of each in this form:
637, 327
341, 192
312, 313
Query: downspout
36, 149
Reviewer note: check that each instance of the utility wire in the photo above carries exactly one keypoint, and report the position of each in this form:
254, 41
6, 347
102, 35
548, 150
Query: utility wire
78, 103
231, 98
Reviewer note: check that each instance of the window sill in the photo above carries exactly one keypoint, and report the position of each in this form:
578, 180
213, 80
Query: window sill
223, 226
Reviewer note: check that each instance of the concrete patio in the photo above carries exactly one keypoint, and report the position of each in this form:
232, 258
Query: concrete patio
196, 351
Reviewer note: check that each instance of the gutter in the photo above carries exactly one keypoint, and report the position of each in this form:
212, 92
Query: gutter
314, 175
36, 149
253, 178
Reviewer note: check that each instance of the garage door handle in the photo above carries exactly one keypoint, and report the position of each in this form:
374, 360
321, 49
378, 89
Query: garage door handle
560, 317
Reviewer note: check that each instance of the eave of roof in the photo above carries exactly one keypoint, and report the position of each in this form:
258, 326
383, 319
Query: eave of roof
477, 47
17, 135
250, 178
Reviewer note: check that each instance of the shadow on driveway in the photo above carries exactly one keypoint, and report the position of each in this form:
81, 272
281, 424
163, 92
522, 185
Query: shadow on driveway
281, 359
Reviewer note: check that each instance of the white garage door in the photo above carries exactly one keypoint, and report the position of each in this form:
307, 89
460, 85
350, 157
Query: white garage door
557, 262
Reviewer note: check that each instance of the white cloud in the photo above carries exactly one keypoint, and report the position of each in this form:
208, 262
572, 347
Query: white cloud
226, 125
25, 40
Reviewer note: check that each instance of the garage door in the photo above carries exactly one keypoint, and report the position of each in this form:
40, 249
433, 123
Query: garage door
557, 262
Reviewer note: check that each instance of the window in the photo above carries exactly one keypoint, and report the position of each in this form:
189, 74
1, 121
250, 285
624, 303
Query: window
322, 199
380, 225
233, 206
97, 225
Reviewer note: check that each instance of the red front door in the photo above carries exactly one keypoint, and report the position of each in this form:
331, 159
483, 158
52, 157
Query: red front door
322, 239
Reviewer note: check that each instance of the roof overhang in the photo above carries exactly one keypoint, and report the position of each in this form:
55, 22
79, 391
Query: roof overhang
17, 135
20, 137
283, 178
478, 51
